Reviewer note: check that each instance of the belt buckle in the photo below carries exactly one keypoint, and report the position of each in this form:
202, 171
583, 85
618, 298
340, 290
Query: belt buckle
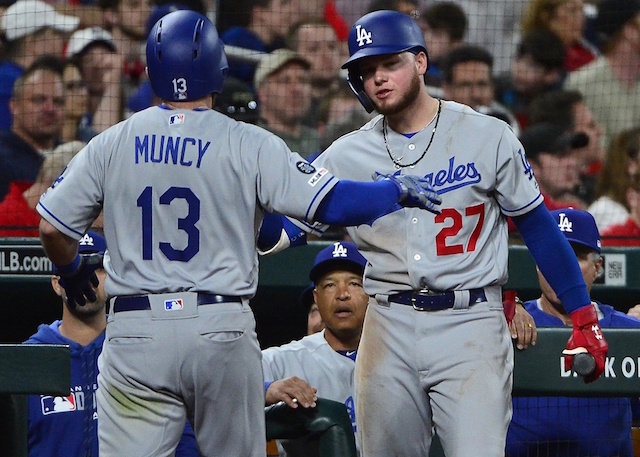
426, 292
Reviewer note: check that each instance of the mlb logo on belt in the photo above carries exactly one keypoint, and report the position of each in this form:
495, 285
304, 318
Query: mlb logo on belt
176, 119
174, 304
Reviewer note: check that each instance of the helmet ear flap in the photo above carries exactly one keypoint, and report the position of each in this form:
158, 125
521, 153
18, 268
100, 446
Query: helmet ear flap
354, 78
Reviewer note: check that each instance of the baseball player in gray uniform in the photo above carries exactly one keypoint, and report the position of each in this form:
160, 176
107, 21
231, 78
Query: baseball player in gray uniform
435, 349
324, 360
184, 190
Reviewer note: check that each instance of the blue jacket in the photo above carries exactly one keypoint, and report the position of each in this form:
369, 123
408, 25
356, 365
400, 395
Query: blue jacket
67, 426
572, 426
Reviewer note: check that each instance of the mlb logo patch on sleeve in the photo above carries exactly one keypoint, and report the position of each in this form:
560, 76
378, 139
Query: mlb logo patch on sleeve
176, 119
174, 304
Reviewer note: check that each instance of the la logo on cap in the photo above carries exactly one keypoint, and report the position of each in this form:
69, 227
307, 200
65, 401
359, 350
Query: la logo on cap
339, 250
86, 240
565, 225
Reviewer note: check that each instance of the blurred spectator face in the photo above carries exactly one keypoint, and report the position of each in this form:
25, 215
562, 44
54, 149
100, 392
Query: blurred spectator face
94, 62
314, 320
529, 77
409, 8
320, 46
558, 173
133, 15
286, 94
438, 42
45, 41
568, 21
38, 111
279, 16
586, 123
76, 93
471, 84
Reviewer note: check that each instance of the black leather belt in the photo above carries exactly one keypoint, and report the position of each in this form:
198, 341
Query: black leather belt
425, 300
141, 302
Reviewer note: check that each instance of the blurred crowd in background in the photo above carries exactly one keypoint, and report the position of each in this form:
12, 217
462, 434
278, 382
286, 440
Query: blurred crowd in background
562, 73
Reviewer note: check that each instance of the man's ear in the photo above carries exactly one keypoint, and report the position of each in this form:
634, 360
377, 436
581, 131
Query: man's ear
57, 288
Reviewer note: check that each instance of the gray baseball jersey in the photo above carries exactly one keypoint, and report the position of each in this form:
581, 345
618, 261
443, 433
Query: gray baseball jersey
313, 360
450, 370
183, 193
481, 177
180, 188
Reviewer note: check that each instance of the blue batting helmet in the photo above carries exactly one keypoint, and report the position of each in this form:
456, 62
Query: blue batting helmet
185, 57
379, 33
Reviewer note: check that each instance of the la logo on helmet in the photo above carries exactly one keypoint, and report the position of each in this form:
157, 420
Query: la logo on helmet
363, 36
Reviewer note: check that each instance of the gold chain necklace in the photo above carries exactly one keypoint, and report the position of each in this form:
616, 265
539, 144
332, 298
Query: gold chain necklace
396, 161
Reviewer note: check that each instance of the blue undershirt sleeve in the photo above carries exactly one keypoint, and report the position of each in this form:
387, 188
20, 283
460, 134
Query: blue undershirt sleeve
354, 203
554, 256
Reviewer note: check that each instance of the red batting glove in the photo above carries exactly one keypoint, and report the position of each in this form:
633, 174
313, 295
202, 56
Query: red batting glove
587, 337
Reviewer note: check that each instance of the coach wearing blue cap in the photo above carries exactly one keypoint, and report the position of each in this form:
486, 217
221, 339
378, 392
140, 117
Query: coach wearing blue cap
325, 361
573, 426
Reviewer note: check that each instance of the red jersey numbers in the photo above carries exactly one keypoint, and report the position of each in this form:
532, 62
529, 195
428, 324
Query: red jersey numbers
453, 222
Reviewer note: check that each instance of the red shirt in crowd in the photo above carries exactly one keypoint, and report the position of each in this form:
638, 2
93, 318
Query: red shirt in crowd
625, 234
15, 212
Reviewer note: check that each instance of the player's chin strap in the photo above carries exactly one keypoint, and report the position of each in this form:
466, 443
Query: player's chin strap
354, 78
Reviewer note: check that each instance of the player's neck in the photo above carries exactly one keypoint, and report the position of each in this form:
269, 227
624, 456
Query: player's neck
205, 102
344, 342
83, 331
416, 116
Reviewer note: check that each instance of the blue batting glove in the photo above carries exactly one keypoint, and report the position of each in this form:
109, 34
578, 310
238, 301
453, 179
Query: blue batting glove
415, 191
78, 277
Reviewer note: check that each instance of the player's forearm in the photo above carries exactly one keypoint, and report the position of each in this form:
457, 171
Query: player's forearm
61, 249
354, 203
554, 256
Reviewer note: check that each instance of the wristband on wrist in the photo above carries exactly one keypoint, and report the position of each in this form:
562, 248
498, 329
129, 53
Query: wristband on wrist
68, 268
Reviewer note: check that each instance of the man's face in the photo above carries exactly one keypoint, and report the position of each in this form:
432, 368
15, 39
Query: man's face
438, 42
342, 303
314, 320
46, 41
590, 265
471, 84
319, 44
90, 309
39, 111
586, 123
557, 173
280, 15
133, 15
286, 94
94, 63
393, 81
528, 76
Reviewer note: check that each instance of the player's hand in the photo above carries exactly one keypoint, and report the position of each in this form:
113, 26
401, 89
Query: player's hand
415, 191
78, 282
587, 337
521, 325
634, 312
293, 391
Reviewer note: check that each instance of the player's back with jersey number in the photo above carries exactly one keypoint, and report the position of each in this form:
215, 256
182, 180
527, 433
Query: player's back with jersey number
179, 188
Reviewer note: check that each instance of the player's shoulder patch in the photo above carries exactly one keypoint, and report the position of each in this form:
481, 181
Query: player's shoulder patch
305, 167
